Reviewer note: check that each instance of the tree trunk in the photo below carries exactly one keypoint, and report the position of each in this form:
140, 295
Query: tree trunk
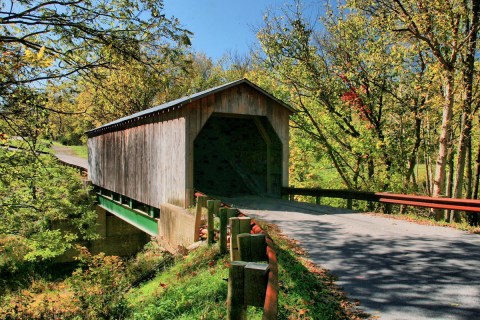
469, 172
477, 171
468, 72
444, 143
448, 214
412, 161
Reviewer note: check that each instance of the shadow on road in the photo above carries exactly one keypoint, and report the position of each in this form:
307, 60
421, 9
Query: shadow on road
428, 273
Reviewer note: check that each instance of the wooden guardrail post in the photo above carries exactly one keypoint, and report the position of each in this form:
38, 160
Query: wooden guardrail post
201, 202
252, 247
255, 279
231, 213
244, 247
237, 226
387, 208
236, 308
349, 203
216, 207
222, 239
210, 216
258, 247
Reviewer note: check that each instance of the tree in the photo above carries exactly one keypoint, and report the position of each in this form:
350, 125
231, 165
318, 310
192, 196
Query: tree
74, 35
448, 30
57, 44
349, 84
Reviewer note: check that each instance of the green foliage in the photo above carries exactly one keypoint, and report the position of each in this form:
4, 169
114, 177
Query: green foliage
369, 81
44, 209
99, 286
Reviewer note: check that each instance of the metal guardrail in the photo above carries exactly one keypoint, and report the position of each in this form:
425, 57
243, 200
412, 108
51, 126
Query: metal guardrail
468, 205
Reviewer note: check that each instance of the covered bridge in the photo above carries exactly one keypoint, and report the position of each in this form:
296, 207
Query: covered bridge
229, 140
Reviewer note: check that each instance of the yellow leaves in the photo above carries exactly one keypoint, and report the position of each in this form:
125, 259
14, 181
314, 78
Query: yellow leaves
38, 59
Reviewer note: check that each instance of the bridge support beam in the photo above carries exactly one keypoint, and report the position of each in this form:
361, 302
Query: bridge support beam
134, 217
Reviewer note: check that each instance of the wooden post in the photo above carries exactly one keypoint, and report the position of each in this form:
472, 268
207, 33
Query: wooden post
223, 230
210, 233
349, 204
237, 226
244, 247
231, 213
216, 207
201, 200
236, 308
234, 231
317, 200
244, 226
258, 247
255, 279
387, 208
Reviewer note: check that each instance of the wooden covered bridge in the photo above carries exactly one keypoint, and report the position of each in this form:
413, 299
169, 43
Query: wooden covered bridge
226, 141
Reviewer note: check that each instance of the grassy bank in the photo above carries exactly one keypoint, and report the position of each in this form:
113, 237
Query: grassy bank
155, 285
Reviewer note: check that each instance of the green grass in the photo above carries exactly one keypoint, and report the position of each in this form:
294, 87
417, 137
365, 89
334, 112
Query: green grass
195, 287
80, 151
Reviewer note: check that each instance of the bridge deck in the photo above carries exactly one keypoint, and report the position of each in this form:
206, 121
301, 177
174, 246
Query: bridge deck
397, 269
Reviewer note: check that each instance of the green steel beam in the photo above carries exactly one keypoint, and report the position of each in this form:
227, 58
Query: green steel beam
135, 218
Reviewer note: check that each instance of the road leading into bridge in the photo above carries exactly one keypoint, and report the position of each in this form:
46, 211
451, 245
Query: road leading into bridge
397, 269
67, 155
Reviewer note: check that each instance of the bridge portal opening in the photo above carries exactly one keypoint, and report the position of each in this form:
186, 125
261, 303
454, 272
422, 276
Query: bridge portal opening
238, 155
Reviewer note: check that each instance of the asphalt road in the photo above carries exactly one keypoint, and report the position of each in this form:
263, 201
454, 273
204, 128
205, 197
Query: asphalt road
397, 269
65, 154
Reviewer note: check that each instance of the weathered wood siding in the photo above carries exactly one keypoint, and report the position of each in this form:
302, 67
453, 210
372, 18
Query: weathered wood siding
145, 163
151, 159
239, 100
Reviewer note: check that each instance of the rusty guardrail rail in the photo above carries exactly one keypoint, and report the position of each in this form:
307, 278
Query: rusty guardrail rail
468, 205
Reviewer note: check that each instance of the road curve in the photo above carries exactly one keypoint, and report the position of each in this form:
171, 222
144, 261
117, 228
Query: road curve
397, 269
67, 155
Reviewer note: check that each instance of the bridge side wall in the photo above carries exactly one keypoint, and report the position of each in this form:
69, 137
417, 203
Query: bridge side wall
145, 163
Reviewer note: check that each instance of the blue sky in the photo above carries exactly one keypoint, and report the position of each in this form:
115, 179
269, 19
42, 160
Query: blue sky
221, 26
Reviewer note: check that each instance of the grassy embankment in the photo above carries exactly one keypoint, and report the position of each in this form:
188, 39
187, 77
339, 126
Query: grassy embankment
196, 288
187, 287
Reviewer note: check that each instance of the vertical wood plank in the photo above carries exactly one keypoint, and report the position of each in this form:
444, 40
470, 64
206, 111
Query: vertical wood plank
223, 230
244, 247
234, 231
236, 309
258, 247
211, 233
255, 280
198, 215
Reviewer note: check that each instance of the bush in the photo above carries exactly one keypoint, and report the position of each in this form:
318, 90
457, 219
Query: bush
99, 286
147, 263
14, 269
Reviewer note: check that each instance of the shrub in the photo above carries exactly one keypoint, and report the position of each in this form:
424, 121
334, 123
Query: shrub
147, 263
14, 269
99, 286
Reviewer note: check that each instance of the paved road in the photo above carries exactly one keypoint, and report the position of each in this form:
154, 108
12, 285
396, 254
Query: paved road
397, 269
65, 154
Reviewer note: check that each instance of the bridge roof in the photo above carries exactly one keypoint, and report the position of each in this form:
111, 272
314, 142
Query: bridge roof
178, 103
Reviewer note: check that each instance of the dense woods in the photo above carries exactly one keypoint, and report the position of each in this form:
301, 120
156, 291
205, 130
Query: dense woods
386, 94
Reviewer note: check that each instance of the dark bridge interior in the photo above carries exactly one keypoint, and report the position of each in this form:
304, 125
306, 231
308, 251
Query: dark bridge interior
238, 156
